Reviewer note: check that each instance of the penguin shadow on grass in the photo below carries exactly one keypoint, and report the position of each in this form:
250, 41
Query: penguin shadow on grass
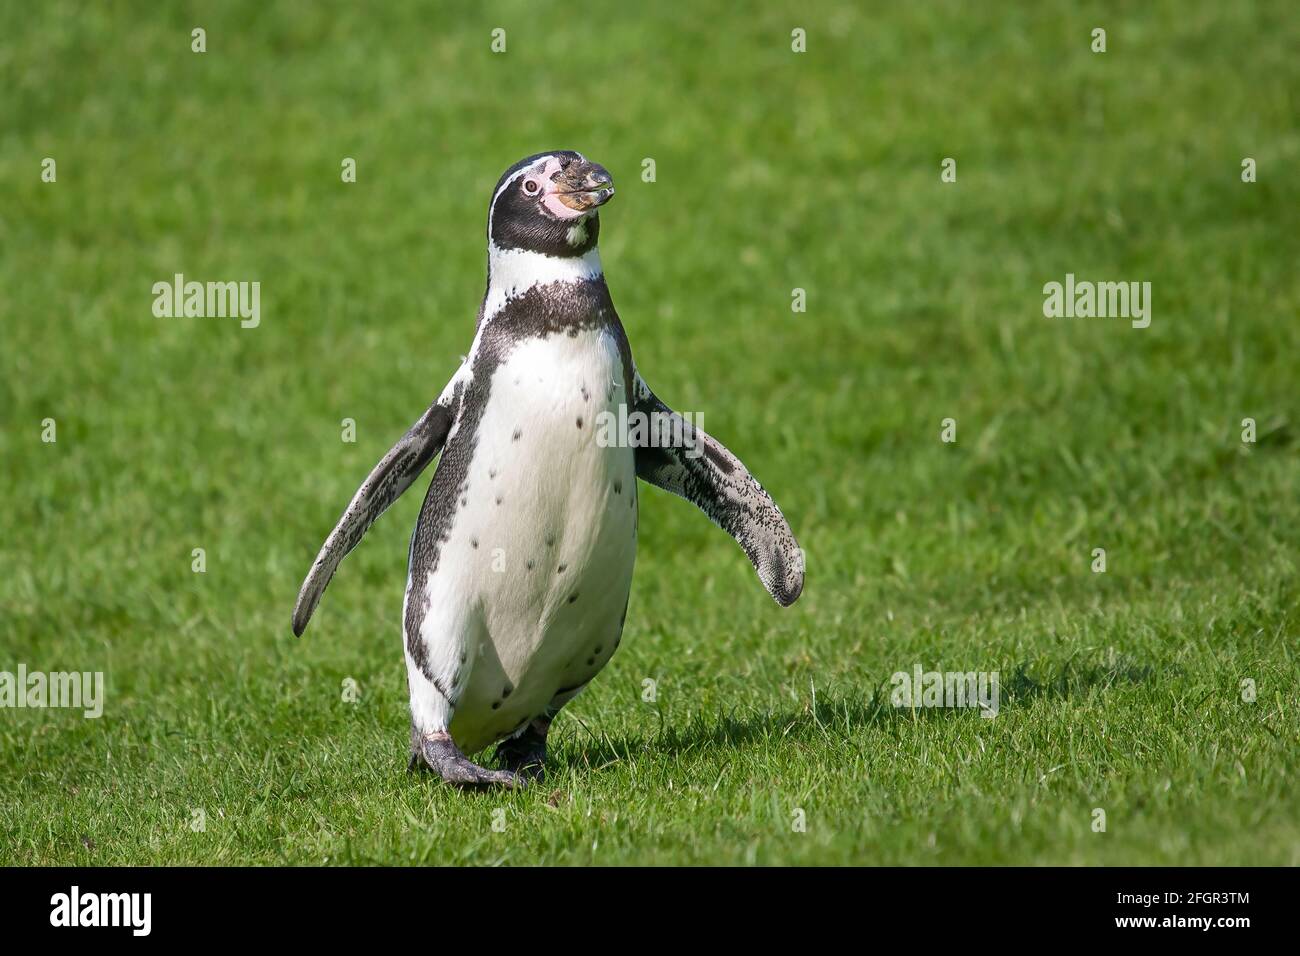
1073, 678
835, 715
831, 718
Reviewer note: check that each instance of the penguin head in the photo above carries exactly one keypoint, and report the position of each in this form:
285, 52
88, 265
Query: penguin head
547, 203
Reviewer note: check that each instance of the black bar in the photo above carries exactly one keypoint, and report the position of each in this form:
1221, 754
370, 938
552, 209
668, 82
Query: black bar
224, 905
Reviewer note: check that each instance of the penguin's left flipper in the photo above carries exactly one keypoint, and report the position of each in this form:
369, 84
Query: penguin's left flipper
705, 473
392, 476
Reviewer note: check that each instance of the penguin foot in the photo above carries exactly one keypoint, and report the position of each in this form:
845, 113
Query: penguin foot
440, 754
525, 755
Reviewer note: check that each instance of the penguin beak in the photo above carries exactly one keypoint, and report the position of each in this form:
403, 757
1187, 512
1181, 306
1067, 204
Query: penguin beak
584, 186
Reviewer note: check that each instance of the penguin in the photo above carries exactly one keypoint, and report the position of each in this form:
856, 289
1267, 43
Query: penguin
520, 564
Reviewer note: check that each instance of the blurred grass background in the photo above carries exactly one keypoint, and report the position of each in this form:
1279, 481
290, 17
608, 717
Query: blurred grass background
775, 170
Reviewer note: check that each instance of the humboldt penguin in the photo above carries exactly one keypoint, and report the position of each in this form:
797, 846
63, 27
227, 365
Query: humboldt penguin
520, 563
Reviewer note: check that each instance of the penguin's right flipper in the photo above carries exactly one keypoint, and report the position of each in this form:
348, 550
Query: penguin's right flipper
392, 476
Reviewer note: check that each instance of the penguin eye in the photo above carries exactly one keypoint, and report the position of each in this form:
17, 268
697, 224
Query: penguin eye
532, 187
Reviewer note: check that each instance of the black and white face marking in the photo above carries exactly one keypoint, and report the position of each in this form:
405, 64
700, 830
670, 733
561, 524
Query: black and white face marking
547, 204
543, 228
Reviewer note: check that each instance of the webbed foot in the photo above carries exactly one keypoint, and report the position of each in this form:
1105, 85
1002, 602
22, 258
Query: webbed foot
525, 755
439, 753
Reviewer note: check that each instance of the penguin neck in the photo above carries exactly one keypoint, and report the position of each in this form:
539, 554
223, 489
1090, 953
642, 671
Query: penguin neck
512, 272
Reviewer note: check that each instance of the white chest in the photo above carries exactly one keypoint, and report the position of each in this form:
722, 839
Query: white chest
545, 539
539, 439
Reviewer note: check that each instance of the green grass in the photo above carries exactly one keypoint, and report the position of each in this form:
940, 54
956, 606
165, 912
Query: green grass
774, 170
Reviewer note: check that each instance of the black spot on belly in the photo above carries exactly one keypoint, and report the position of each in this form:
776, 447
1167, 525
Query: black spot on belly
506, 691
498, 499
464, 502
518, 432
550, 540
530, 564
573, 597
560, 569
492, 473
573, 333
579, 421
473, 542
597, 650
586, 397
591, 661
618, 487
496, 704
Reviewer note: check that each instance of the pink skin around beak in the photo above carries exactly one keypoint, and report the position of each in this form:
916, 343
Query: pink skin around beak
574, 191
